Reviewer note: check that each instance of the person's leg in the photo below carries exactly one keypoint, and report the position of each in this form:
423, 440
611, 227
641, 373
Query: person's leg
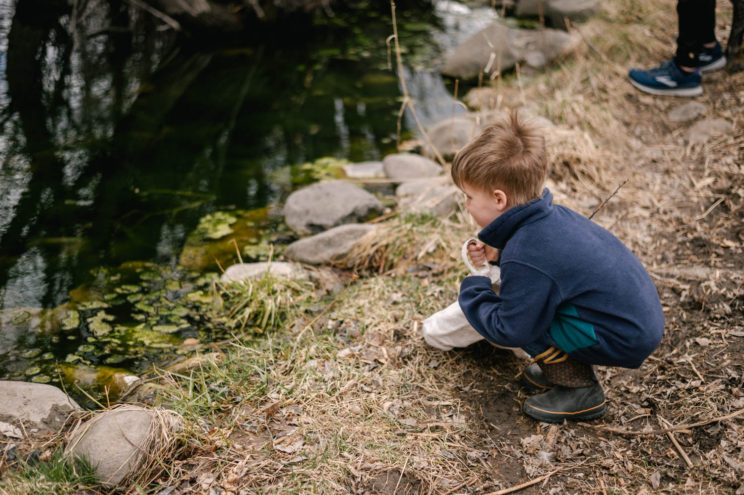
697, 51
711, 56
693, 18
575, 394
449, 328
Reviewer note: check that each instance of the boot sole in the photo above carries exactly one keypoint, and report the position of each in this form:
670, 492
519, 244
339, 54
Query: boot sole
558, 417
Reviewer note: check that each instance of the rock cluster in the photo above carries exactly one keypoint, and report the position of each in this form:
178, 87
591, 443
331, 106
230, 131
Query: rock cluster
119, 443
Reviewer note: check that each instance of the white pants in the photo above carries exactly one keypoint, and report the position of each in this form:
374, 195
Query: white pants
449, 328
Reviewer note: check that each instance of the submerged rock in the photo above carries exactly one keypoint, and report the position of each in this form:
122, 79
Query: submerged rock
325, 205
328, 246
364, 170
39, 405
119, 443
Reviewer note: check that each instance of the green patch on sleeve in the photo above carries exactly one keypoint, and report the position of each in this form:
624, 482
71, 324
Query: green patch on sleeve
569, 331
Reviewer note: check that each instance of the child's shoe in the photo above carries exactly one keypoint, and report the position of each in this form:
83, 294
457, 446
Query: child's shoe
533, 378
667, 79
577, 394
560, 403
711, 59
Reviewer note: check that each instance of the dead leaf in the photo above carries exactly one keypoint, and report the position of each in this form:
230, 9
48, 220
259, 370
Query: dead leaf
290, 444
10, 431
655, 480
271, 410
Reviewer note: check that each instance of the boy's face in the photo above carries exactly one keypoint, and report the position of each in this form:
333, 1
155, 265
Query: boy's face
483, 205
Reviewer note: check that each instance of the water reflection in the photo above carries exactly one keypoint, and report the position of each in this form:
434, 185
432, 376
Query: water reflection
117, 137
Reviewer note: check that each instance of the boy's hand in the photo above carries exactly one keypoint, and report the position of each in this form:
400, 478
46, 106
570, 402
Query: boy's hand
477, 253
480, 253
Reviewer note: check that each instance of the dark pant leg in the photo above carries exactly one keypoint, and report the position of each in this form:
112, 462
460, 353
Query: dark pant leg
697, 21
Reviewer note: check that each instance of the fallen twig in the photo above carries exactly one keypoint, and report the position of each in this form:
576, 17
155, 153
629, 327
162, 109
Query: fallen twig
601, 205
526, 484
671, 436
171, 22
618, 431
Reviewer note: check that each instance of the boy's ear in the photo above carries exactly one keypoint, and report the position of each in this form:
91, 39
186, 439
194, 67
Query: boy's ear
500, 198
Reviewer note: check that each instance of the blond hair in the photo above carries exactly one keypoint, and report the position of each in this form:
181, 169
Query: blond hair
508, 155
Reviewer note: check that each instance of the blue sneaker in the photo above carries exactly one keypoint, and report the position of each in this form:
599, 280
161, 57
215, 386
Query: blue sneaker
666, 79
711, 59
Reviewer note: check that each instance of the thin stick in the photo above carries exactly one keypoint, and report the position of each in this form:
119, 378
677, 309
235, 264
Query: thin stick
156, 13
571, 26
407, 102
601, 205
526, 484
713, 206
671, 436
402, 471
696, 371
663, 430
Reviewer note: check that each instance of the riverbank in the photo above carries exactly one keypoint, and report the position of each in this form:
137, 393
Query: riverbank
345, 396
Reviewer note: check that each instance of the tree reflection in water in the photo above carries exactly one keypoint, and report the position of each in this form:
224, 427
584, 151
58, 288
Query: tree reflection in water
117, 136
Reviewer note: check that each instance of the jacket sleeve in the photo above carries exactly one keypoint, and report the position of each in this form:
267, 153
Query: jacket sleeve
519, 314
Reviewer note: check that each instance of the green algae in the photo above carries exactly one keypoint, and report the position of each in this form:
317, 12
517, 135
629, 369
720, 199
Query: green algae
71, 321
98, 323
91, 305
166, 328
32, 370
215, 225
209, 254
41, 379
31, 353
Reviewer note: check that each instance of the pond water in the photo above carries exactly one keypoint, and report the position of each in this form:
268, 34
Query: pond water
119, 137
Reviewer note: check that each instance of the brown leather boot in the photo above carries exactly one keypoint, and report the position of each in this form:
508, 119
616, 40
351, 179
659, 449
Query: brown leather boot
577, 394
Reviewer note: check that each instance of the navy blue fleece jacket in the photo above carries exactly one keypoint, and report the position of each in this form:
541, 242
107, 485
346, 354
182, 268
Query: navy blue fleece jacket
566, 276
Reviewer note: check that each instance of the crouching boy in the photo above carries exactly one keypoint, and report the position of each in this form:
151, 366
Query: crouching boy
571, 294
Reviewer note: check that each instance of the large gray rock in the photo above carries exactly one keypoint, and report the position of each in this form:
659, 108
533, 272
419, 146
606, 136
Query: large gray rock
327, 246
500, 47
37, 405
558, 10
401, 166
120, 443
437, 196
325, 205
450, 136
280, 269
